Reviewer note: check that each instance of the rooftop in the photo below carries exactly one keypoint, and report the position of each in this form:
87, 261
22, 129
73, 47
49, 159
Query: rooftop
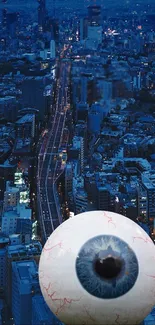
7, 164
26, 273
24, 250
3, 239
28, 118
7, 98
12, 189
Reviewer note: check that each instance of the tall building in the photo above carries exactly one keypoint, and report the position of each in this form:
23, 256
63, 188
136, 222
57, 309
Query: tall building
35, 98
25, 284
83, 28
103, 198
54, 8
107, 89
4, 242
25, 126
28, 305
17, 252
81, 201
7, 170
24, 229
2, 268
137, 82
94, 121
82, 111
84, 81
55, 30
12, 23
41, 314
68, 179
78, 143
90, 186
11, 197
94, 15
94, 34
4, 18
9, 219
76, 87
41, 15
52, 28
9, 108
146, 198
94, 28
52, 49
81, 131
1, 306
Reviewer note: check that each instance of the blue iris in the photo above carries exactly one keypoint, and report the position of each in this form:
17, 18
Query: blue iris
107, 267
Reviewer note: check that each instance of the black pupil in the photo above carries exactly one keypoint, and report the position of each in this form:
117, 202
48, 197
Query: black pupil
108, 268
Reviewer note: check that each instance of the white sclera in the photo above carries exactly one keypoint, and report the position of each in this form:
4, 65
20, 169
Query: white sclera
63, 292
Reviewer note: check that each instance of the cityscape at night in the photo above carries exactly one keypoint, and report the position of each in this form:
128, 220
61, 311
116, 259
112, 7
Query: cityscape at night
77, 131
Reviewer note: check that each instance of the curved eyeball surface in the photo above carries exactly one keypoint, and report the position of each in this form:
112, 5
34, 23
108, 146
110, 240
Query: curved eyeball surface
98, 268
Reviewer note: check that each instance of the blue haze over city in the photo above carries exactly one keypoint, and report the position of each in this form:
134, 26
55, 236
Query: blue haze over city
77, 130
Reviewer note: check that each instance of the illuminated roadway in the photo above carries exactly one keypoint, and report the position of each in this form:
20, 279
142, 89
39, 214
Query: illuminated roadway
49, 165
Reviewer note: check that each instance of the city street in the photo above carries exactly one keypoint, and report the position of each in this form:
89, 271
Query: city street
49, 166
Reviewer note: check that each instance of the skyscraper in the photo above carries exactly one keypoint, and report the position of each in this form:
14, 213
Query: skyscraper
15, 253
84, 28
41, 314
12, 23
41, 15
94, 15
55, 29
25, 284
4, 18
4, 241
35, 99
52, 49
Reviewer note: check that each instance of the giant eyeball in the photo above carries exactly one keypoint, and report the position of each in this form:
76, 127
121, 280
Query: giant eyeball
98, 268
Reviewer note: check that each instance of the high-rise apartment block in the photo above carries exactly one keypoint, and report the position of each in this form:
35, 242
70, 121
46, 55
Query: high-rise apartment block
41, 15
